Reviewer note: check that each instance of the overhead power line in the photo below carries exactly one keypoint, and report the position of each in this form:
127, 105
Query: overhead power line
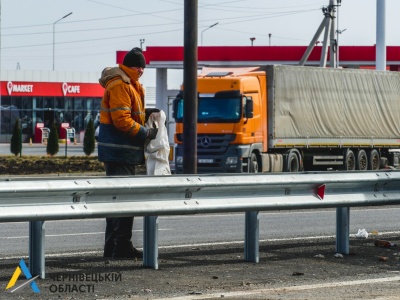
97, 19
92, 29
241, 19
91, 40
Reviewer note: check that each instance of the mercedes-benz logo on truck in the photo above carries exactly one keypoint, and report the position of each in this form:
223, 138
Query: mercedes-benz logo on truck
205, 141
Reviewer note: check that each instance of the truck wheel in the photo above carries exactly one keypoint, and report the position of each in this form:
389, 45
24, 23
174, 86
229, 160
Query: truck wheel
374, 160
349, 160
293, 165
253, 164
362, 160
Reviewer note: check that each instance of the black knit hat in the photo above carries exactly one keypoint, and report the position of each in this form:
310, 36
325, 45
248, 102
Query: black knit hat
134, 58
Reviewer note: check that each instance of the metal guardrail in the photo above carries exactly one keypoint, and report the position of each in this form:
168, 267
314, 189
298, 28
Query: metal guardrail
40, 199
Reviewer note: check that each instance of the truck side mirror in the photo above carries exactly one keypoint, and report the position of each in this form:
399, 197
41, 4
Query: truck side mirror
175, 107
175, 104
248, 113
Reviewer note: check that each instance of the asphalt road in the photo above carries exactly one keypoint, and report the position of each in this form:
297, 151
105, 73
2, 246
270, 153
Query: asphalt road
201, 257
88, 235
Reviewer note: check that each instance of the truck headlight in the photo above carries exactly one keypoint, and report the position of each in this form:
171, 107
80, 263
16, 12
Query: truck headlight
231, 160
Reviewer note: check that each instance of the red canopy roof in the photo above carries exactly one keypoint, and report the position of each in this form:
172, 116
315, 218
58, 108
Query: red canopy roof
172, 57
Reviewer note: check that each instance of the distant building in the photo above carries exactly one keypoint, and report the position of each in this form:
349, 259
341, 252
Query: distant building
40, 98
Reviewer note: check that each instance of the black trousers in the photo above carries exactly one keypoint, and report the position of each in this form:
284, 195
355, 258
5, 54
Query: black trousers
118, 230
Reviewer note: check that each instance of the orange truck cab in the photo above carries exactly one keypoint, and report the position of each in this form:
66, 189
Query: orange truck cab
231, 120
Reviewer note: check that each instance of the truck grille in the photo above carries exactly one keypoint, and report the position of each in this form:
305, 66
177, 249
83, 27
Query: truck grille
213, 144
211, 147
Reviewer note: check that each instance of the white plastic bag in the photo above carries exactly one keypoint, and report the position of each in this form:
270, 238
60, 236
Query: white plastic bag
156, 151
362, 233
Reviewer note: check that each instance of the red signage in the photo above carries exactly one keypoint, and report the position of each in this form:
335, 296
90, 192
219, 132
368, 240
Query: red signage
56, 89
364, 55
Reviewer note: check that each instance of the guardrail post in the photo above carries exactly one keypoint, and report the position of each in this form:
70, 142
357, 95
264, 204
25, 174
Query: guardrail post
343, 230
36, 248
150, 242
251, 237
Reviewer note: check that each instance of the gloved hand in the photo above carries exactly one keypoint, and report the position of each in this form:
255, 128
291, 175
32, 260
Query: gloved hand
149, 111
151, 133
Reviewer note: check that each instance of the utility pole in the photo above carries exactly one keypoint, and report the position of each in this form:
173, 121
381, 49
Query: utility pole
333, 33
190, 91
339, 3
330, 33
380, 35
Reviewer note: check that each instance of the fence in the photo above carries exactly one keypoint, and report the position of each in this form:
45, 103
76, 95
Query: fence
40, 199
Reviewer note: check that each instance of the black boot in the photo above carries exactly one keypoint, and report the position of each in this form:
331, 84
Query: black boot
108, 249
109, 238
126, 250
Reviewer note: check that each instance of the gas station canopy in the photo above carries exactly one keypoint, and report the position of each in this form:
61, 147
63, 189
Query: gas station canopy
171, 57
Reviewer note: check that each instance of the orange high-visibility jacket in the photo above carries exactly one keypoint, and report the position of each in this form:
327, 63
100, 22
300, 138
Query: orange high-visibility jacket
122, 134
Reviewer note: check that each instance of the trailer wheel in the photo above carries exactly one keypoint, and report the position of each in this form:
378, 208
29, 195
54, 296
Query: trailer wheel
349, 160
293, 164
253, 164
374, 160
362, 160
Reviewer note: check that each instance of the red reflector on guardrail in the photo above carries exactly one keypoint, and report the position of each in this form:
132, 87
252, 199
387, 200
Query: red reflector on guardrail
321, 192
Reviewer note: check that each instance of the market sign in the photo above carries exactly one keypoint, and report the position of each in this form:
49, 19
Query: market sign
46, 89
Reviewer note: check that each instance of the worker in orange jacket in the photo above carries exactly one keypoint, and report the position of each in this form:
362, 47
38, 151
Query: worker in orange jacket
121, 139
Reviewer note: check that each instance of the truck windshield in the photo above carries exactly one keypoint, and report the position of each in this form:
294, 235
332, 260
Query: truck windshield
215, 110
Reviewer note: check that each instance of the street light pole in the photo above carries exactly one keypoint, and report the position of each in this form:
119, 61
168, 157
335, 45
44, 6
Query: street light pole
54, 27
66, 141
337, 47
215, 24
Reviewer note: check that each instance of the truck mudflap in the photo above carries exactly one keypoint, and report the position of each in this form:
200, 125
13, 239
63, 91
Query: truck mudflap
394, 158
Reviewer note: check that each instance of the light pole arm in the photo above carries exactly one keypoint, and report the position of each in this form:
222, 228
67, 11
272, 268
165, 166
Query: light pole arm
62, 18
54, 35
207, 29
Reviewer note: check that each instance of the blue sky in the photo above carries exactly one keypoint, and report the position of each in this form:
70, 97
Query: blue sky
88, 39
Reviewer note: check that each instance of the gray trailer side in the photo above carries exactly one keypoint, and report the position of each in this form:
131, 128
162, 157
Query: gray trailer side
310, 107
